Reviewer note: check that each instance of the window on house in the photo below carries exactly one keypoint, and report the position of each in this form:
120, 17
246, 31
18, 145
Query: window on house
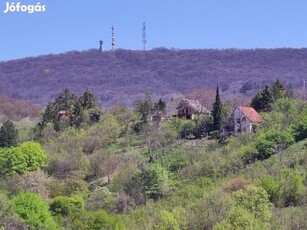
243, 119
238, 121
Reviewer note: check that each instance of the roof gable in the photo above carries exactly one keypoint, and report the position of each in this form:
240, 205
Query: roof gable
195, 105
251, 114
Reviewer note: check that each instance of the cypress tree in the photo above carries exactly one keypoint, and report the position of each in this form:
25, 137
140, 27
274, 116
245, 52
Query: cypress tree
217, 111
8, 134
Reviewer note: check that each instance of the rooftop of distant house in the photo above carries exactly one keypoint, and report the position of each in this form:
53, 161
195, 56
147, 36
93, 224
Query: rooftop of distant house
251, 114
195, 105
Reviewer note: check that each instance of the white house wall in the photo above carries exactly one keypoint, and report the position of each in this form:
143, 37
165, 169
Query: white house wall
245, 124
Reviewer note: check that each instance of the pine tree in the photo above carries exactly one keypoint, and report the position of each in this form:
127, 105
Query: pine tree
88, 100
261, 102
217, 111
160, 106
65, 100
278, 90
8, 134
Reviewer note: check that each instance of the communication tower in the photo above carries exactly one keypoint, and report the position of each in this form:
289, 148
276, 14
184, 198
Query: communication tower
144, 36
113, 39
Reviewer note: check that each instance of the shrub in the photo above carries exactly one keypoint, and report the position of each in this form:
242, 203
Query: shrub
67, 206
34, 211
235, 184
6, 209
299, 130
272, 187
273, 142
292, 188
187, 130
98, 220
27, 157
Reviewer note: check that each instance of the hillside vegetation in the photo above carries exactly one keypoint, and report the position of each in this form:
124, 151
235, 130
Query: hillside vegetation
81, 168
126, 75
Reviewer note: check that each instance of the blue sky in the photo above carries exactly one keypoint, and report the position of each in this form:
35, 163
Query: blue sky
80, 24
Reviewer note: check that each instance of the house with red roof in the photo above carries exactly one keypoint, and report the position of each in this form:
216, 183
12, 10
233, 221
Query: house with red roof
245, 119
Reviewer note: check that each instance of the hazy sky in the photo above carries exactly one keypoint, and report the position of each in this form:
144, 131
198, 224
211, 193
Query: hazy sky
80, 24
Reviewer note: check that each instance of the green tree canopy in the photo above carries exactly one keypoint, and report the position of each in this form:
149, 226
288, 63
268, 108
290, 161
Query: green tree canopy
278, 90
88, 100
27, 157
34, 211
145, 106
261, 102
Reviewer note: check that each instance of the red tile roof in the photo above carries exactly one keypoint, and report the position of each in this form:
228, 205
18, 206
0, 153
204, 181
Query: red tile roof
251, 114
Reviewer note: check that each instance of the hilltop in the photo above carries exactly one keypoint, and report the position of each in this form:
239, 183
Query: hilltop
125, 75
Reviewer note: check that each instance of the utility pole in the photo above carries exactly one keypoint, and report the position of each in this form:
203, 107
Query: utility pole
304, 85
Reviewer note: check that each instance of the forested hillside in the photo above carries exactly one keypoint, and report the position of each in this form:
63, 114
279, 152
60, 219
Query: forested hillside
125, 75
79, 167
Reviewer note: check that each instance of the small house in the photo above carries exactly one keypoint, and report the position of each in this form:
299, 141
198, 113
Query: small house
188, 109
245, 119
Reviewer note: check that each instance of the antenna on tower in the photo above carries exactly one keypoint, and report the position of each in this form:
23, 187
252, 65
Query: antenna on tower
144, 36
100, 45
113, 39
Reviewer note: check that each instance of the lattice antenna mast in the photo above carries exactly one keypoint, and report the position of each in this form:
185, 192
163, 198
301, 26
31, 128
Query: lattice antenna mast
113, 39
144, 36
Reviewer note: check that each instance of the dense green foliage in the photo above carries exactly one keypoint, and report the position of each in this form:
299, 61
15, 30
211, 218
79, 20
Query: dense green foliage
29, 156
122, 172
34, 211
69, 110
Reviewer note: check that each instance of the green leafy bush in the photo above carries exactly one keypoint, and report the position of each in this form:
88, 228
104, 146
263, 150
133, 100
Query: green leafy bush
34, 211
271, 142
272, 187
299, 129
98, 221
29, 156
67, 206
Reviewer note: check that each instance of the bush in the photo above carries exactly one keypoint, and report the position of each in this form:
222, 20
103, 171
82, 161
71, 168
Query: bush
272, 187
34, 211
67, 206
98, 220
29, 156
250, 210
292, 188
248, 153
187, 130
6, 209
68, 188
273, 142
236, 184
299, 130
